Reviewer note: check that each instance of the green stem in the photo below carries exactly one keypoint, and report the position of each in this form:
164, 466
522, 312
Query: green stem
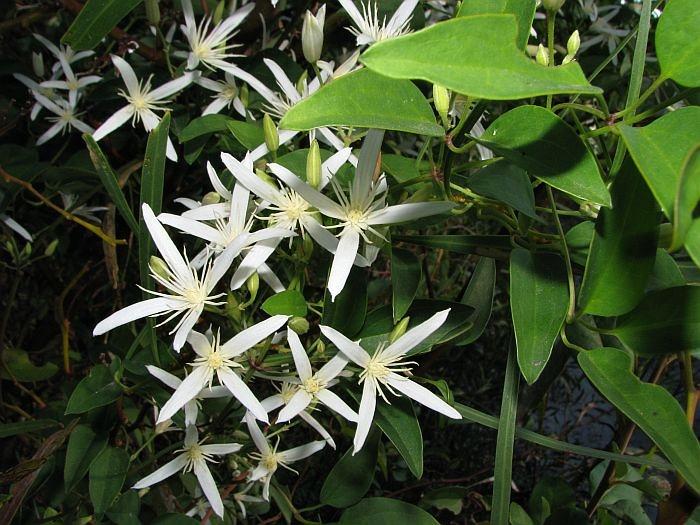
580, 107
551, 15
567, 258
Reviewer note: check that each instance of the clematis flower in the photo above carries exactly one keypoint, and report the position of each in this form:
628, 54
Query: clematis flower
209, 46
188, 291
368, 29
314, 386
62, 53
226, 95
216, 359
192, 406
269, 459
73, 84
359, 211
194, 457
69, 203
65, 118
385, 369
35, 87
142, 102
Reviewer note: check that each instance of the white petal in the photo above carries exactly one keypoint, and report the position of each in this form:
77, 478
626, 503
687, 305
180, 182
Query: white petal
332, 368
333, 164
164, 472
186, 325
366, 165
343, 261
164, 377
170, 152
313, 423
258, 86
188, 13
208, 212
238, 16
239, 206
250, 180
115, 121
415, 335
331, 138
257, 255
267, 275
188, 389
335, 403
302, 452
273, 402
282, 80
422, 395
127, 74
136, 311
402, 15
256, 435
326, 239
366, 414
51, 133
299, 402
251, 336
165, 245
221, 449
409, 212
216, 182
191, 412
16, 227
200, 343
352, 350
170, 88
81, 126
241, 392
31, 84
311, 195
301, 360
208, 486
214, 392
354, 13
191, 227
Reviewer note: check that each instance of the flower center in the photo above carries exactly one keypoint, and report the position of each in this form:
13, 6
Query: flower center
230, 92
357, 219
270, 462
139, 102
73, 85
312, 385
215, 360
195, 453
376, 369
287, 392
195, 295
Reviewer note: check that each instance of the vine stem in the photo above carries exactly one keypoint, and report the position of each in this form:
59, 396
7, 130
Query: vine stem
551, 15
567, 258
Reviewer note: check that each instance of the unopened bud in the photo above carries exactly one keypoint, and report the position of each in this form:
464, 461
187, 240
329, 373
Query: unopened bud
307, 247
152, 12
51, 248
219, 12
159, 267
272, 138
244, 95
399, 329
211, 198
299, 325
253, 285
38, 64
313, 165
232, 307
572, 46
312, 35
542, 56
553, 5
320, 347
441, 99
265, 178
301, 83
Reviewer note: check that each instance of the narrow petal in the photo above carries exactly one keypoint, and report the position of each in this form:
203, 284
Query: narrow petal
352, 350
188, 13
256, 435
257, 255
165, 245
333, 164
208, 212
313, 423
164, 472
51, 133
200, 343
299, 402
415, 335
214, 392
164, 377
186, 326
301, 360
208, 486
273, 402
330, 137
221, 449
115, 121
135, 311
409, 212
343, 261
332, 368
367, 164
16, 227
240, 198
327, 240
311, 195
402, 15
282, 80
253, 82
127, 74
191, 227
267, 275
366, 414
250, 180
191, 412
422, 395
174, 86
335, 403
188, 389
241, 392
302, 452
353, 12
249, 337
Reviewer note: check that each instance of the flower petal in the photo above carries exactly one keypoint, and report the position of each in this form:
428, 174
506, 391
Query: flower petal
257, 255
302, 452
299, 402
422, 395
164, 243
113, 122
200, 343
135, 311
256, 435
241, 392
366, 165
415, 335
351, 349
332, 368
283, 80
164, 377
343, 261
409, 212
301, 360
221, 449
188, 389
164, 472
170, 88
186, 325
311, 195
208, 486
249, 179
313, 423
251, 336
366, 414
127, 74
191, 227
401, 16
335, 403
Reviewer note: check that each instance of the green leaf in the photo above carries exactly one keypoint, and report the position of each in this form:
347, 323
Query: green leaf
496, 246
518, 516
25, 427
110, 182
371, 511
368, 100
249, 135
555, 491
402, 169
523, 10
84, 445
19, 367
347, 313
446, 54
446, 498
95, 20
125, 511
666, 273
677, 46
351, 477
687, 204
539, 298
96, 390
175, 519
507, 183
664, 322
205, 125
578, 239
399, 423
406, 274
650, 406
503, 468
623, 249
479, 295
288, 302
107, 474
545, 146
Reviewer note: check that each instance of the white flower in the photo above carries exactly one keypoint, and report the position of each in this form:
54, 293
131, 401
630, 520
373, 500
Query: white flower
62, 53
384, 368
194, 458
188, 291
269, 459
73, 84
216, 359
65, 118
210, 47
312, 34
16, 227
368, 29
226, 95
142, 101
314, 386
359, 211
35, 88
192, 406
69, 201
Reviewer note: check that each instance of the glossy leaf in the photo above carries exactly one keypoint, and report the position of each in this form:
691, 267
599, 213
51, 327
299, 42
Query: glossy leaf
84, 445
351, 477
204, 125
347, 313
446, 54
19, 367
545, 146
107, 474
578, 239
406, 274
288, 302
399, 423
248, 134
664, 322
95, 20
677, 45
96, 390
507, 183
479, 295
371, 511
686, 209
539, 298
25, 427
650, 406
368, 100
665, 273
523, 10
623, 249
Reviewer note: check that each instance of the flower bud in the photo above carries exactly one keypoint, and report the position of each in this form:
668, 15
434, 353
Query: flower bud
301, 83
232, 309
320, 347
159, 267
299, 325
152, 12
253, 285
313, 165
38, 64
219, 12
441, 99
572, 46
265, 178
244, 95
51, 248
312, 35
211, 198
542, 56
272, 139
399, 329
307, 247
553, 5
